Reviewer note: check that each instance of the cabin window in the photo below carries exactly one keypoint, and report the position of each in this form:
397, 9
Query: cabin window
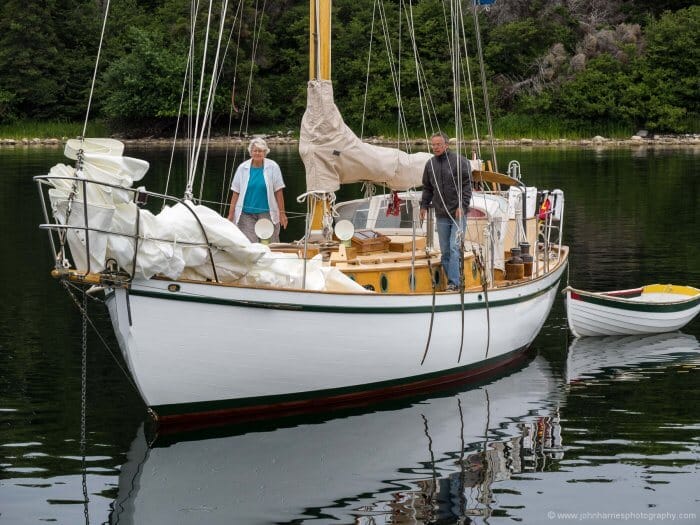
384, 283
403, 220
356, 212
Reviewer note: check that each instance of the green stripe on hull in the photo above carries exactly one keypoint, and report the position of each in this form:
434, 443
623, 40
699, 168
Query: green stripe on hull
413, 383
639, 307
175, 296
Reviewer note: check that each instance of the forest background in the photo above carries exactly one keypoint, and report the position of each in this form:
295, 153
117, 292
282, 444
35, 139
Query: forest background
554, 68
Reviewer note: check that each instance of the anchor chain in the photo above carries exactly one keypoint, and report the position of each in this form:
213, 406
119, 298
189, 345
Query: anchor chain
83, 310
83, 407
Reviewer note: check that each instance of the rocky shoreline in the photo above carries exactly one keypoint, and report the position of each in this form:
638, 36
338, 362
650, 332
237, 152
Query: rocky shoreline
287, 139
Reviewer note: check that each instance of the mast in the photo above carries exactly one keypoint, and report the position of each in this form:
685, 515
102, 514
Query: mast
320, 41
319, 69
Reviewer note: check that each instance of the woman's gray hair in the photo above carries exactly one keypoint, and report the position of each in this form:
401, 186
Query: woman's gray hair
259, 143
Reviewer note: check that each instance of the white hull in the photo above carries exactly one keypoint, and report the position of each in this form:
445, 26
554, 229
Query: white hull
598, 314
255, 347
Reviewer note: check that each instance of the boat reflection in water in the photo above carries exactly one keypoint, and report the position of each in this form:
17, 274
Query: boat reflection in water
592, 356
437, 455
426, 461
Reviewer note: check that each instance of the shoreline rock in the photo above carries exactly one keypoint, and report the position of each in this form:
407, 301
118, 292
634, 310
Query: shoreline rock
286, 139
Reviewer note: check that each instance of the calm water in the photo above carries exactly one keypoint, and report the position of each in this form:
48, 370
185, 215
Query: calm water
595, 430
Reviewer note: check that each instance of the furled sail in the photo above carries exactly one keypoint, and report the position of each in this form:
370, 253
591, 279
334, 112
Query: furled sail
182, 241
334, 155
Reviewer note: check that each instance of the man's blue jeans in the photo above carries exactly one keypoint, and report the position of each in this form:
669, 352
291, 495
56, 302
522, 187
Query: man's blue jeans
448, 230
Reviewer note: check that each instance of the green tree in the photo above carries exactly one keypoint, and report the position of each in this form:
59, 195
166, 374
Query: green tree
145, 83
286, 72
594, 94
671, 70
46, 51
640, 10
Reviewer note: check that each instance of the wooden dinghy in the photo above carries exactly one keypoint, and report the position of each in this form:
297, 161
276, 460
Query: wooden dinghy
655, 308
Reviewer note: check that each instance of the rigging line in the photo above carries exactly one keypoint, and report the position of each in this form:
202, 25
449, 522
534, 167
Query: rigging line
432, 111
485, 287
461, 289
457, 100
482, 68
410, 23
447, 26
217, 74
416, 59
189, 83
254, 49
257, 30
204, 164
398, 79
208, 108
209, 105
421, 77
198, 106
177, 127
456, 62
470, 99
392, 67
432, 307
402, 127
225, 180
369, 59
194, 9
94, 73
317, 40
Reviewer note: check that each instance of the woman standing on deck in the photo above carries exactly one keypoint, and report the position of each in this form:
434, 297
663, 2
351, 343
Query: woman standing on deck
257, 192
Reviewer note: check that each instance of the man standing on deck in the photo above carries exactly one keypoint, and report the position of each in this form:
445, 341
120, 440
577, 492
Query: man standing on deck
447, 185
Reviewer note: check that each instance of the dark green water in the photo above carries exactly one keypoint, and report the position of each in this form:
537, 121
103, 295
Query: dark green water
597, 430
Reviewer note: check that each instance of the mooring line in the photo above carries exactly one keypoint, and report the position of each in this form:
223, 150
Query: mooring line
432, 310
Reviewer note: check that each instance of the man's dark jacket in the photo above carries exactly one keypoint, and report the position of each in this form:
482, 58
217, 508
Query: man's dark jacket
441, 183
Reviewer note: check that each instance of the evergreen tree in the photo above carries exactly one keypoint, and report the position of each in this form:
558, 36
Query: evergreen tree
30, 59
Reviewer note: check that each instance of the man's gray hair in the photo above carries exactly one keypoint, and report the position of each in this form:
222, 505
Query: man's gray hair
258, 143
443, 136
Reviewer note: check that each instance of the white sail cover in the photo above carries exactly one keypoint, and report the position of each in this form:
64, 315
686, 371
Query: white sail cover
172, 243
334, 155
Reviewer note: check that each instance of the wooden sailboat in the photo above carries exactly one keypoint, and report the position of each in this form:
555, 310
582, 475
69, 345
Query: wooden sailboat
212, 326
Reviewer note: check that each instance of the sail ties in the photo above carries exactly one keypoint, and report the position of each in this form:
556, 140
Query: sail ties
320, 213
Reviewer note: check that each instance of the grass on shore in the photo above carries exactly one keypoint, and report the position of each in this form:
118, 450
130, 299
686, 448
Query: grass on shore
507, 127
536, 127
50, 129
548, 128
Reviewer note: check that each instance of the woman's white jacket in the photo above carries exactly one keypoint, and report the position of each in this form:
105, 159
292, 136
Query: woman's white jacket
273, 183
